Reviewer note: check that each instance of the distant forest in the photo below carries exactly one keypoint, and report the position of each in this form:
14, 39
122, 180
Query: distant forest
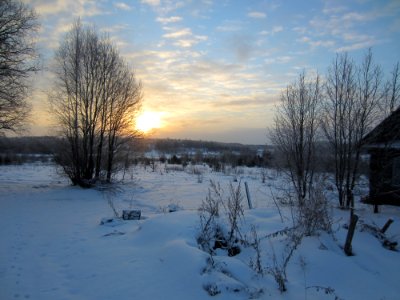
41, 148
48, 144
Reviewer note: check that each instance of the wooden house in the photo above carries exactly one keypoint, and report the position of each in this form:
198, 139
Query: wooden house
383, 145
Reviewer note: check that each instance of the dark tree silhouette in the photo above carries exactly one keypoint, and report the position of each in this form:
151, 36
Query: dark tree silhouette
18, 23
95, 99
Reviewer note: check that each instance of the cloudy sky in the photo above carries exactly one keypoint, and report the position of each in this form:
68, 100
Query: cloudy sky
214, 69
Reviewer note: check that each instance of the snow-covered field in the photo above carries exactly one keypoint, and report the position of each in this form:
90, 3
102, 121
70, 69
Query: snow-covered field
53, 246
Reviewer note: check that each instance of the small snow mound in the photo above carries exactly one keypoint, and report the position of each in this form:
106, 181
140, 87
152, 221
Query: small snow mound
111, 222
115, 232
173, 207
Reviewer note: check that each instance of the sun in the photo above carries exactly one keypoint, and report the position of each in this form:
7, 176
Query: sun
148, 120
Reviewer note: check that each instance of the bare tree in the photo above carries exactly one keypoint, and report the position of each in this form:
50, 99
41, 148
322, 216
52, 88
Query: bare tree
353, 95
122, 107
17, 61
296, 125
340, 89
392, 92
95, 98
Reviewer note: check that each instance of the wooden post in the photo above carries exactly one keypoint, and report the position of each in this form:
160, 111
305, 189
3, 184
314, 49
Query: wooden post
386, 226
248, 195
376, 208
350, 233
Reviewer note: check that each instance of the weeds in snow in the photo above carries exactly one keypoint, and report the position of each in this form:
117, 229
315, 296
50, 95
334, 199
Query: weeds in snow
109, 195
278, 268
209, 212
216, 231
256, 264
234, 210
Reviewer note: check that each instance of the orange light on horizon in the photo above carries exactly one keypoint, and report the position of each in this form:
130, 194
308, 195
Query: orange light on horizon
149, 120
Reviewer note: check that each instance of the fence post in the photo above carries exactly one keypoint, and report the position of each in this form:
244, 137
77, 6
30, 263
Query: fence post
350, 233
248, 195
386, 226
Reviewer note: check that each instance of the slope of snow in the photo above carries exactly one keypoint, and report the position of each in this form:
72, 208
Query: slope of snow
53, 246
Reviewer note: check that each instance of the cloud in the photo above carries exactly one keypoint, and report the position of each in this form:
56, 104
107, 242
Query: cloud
152, 2
173, 19
187, 43
274, 30
278, 60
333, 10
178, 34
122, 5
300, 29
75, 8
256, 15
238, 102
51, 33
115, 28
184, 37
166, 74
342, 27
316, 43
230, 25
356, 46
164, 7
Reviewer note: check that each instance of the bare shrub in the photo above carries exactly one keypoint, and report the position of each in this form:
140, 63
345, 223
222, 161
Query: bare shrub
109, 195
277, 271
256, 264
198, 172
216, 232
278, 267
315, 214
235, 212
212, 289
209, 212
263, 174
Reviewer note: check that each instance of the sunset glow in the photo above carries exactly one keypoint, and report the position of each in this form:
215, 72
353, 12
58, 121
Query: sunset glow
216, 69
148, 120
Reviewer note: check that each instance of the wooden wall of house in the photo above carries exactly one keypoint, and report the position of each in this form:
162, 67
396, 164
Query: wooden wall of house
380, 176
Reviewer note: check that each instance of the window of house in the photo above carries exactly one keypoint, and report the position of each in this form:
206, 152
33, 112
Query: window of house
396, 172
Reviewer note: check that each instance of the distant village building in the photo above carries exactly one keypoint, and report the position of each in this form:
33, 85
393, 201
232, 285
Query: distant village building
383, 145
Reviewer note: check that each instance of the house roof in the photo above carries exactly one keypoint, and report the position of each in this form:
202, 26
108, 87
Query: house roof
385, 133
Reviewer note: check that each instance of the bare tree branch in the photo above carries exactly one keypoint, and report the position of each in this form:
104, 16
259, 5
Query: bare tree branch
95, 98
17, 61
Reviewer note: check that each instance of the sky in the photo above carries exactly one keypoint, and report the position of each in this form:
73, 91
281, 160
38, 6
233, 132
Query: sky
214, 70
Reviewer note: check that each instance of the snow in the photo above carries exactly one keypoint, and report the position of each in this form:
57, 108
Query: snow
53, 246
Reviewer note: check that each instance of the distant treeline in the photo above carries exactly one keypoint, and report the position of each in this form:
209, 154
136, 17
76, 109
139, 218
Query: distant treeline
28, 144
27, 149
18, 150
180, 146
216, 154
47, 145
